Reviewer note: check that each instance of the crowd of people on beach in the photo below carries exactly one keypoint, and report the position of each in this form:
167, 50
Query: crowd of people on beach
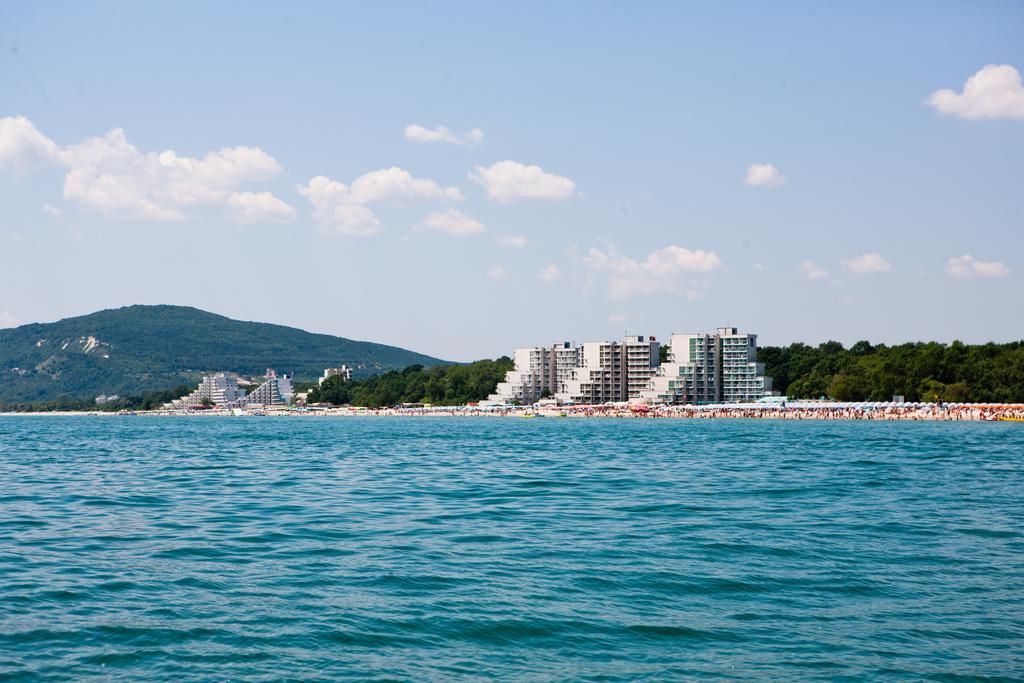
800, 411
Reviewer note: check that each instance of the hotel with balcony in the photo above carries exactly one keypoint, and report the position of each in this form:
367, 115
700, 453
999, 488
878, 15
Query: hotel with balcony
611, 371
710, 368
538, 371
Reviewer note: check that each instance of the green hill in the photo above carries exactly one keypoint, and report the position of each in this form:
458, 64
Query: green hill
138, 349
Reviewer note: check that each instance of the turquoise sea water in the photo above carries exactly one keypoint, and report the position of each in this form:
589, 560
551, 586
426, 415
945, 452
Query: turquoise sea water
485, 548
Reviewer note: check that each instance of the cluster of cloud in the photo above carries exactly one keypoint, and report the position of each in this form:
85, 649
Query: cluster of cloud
550, 273
343, 209
417, 133
994, 92
871, 262
960, 267
966, 266
453, 222
813, 271
661, 271
763, 175
507, 181
110, 174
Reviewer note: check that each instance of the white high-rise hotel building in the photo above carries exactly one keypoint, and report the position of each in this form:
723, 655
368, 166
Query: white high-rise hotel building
701, 368
611, 371
596, 372
710, 368
539, 371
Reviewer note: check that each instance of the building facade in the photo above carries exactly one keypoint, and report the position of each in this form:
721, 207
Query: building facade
219, 388
345, 372
710, 368
538, 372
611, 371
273, 391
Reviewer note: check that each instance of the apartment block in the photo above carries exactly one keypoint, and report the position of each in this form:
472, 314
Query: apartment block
538, 371
710, 368
220, 388
345, 372
611, 371
273, 391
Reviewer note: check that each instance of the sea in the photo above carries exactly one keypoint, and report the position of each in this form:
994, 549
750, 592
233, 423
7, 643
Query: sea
144, 548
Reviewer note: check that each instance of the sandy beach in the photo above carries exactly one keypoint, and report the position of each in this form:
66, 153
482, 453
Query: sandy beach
968, 412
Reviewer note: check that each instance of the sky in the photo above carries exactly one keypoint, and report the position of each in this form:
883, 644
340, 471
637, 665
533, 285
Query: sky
461, 179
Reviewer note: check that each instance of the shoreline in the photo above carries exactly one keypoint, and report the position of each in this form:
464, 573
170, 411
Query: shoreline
799, 411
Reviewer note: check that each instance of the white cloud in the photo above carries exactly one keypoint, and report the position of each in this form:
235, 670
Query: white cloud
617, 318
763, 175
23, 146
511, 241
868, 263
506, 181
110, 174
7, 319
417, 133
812, 271
759, 267
51, 209
454, 222
994, 92
964, 267
497, 272
259, 207
661, 271
334, 208
550, 273
396, 183
343, 209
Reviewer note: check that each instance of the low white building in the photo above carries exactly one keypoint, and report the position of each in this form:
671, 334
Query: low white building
345, 372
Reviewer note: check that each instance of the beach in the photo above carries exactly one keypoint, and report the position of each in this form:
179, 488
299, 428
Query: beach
797, 410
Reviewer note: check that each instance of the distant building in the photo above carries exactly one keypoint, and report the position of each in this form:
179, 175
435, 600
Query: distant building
538, 371
101, 399
710, 368
611, 371
596, 372
345, 372
219, 388
272, 392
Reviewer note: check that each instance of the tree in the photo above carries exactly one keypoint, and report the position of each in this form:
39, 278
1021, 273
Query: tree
438, 385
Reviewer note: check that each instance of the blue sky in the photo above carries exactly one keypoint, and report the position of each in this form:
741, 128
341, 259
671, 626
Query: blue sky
606, 188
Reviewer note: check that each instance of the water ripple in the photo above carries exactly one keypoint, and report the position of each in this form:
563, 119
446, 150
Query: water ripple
175, 549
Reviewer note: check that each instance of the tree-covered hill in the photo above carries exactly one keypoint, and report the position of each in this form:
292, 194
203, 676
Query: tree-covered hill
138, 349
957, 372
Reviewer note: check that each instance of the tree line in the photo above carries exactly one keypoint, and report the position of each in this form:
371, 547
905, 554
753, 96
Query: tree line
442, 385
148, 401
922, 371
